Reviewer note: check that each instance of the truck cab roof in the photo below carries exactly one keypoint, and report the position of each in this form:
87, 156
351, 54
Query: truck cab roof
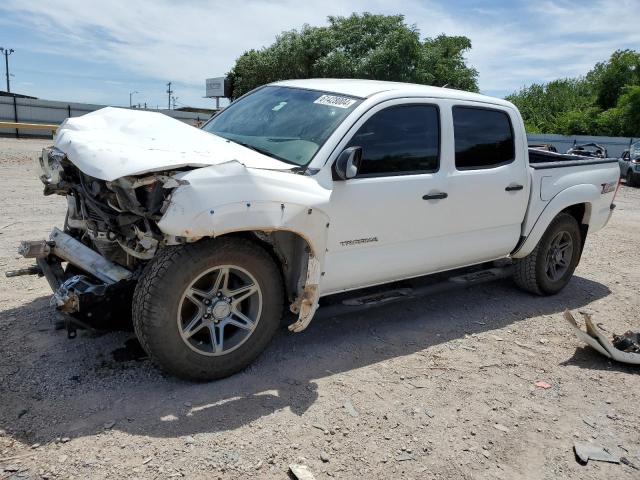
369, 88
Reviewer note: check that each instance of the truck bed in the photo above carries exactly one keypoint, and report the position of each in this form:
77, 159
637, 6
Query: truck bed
542, 159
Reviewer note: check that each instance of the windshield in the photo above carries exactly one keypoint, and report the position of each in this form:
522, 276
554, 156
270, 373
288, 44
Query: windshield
290, 124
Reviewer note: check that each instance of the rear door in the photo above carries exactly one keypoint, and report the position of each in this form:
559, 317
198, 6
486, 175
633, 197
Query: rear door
489, 183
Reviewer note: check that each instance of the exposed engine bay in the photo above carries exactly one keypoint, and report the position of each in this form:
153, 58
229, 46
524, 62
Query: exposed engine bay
117, 218
110, 232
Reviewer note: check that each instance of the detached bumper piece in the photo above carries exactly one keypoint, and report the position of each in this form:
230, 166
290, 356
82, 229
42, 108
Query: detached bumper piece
89, 279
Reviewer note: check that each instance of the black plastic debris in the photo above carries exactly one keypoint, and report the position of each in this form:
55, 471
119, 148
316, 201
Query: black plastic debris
624, 348
627, 342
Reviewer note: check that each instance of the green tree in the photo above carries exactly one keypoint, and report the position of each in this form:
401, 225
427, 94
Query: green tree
381, 47
611, 77
624, 118
605, 102
556, 107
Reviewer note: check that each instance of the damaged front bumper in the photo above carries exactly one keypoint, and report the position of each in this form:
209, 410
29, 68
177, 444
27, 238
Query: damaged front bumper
90, 280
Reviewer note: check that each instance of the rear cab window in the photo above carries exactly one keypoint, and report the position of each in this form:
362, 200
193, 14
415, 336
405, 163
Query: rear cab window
483, 138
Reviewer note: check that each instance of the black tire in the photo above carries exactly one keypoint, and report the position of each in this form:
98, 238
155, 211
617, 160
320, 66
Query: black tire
159, 294
631, 179
530, 272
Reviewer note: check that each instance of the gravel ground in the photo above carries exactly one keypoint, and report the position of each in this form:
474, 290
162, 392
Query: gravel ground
441, 387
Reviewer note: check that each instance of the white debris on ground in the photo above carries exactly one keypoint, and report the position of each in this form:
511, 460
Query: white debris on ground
487, 382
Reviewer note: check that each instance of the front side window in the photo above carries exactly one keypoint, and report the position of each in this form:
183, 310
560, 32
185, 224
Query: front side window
399, 140
290, 124
483, 138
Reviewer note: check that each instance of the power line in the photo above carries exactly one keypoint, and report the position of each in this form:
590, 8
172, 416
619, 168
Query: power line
7, 52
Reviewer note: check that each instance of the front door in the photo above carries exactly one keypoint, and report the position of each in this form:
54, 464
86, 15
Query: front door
384, 221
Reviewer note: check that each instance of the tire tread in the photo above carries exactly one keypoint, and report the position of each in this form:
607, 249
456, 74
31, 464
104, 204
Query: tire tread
525, 273
148, 299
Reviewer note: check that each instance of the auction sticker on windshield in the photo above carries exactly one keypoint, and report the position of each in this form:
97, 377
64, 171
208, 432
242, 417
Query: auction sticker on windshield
335, 101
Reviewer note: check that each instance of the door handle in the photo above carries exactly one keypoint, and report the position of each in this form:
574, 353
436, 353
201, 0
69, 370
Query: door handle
435, 196
513, 188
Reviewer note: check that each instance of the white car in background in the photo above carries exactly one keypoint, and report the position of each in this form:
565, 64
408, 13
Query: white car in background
630, 165
299, 190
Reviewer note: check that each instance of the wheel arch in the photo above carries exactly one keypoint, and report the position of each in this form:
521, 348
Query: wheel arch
582, 213
577, 201
295, 236
300, 262
289, 249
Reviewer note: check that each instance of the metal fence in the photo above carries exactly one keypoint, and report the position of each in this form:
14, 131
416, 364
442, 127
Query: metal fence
30, 110
614, 145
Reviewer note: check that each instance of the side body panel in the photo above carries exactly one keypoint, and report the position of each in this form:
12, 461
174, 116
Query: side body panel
383, 230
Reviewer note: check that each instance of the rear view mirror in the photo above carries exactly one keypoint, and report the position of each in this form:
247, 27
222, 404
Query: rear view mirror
348, 162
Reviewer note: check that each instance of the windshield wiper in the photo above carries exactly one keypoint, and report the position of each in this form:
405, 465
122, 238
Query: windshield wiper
282, 139
265, 152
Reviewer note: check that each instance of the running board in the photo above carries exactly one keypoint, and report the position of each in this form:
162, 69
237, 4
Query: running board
363, 302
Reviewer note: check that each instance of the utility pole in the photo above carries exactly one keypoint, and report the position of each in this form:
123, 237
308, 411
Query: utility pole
169, 92
130, 94
7, 52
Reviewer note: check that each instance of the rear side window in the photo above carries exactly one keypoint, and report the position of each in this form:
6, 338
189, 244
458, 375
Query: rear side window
400, 140
483, 137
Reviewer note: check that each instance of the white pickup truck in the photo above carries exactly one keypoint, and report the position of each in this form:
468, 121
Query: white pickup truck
300, 190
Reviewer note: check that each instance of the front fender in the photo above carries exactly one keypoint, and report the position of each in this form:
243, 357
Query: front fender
231, 198
216, 220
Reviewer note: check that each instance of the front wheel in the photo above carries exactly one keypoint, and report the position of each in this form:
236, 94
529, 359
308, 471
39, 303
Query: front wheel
550, 266
630, 179
205, 311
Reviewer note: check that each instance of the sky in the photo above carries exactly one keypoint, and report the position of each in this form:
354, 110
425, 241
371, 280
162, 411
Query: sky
99, 52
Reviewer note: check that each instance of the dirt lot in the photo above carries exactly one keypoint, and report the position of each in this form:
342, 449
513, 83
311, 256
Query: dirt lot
441, 387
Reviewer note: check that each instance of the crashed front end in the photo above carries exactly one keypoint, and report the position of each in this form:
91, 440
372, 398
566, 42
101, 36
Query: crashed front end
109, 234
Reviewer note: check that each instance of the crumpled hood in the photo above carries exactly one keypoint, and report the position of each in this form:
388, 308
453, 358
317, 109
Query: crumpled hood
115, 142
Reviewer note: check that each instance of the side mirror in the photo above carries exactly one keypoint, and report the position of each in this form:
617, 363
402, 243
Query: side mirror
348, 162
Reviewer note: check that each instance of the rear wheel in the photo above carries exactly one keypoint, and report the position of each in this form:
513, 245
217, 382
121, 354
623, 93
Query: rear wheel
550, 266
205, 311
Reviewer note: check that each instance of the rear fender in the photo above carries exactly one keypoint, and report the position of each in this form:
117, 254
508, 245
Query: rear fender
587, 194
